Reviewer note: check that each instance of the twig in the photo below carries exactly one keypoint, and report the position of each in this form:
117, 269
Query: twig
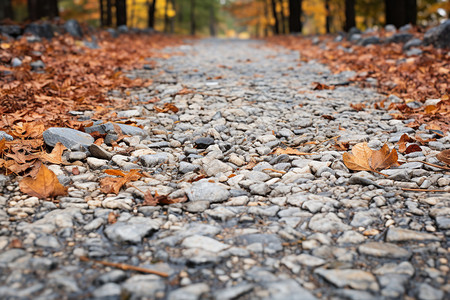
125, 267
436, 166
385, 175
424, 190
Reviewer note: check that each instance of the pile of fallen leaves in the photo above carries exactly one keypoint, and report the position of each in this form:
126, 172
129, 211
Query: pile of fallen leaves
76, 77
415, 78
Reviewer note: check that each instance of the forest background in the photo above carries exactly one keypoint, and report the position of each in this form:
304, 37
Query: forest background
232, 18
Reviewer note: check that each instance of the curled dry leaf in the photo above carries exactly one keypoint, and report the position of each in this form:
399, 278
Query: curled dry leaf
363, 158
55, 157
358, 160
110, 185
45, 185
444, 156
150, 200
383, 158
289, 151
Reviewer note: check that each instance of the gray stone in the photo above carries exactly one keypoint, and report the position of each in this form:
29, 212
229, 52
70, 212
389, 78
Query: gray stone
260, 189
132, 231
205, 243
233, 292
15, 62
270, 241
288, 289
439, 36
204, 142
355, 279
191, 292
109, 128
4, 135
411, 44
388, 250
107, 290
207, 191
400, 37
427, 292
327, 222
393, 285
351, 237
152, 160
96, 163
47, 241
99, 152
405, 235
196, 206
186, 167
36, 65
370, 40
11, 255
147, 286
71, 138
112, 276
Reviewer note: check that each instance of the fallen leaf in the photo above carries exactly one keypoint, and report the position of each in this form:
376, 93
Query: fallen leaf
444, 156
110, 185
289, 151
358, 106
358, 160
150, 200
413, 148
383, 158
45, 185
55, 157
112, 218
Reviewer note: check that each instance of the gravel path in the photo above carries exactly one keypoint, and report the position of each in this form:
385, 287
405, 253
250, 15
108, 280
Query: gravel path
259, 225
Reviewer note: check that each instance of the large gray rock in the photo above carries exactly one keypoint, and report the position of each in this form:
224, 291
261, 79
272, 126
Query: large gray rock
355, 279
288, 289
109, 128
405, 235
11, 30
191, 292
205, 243
131, 231
384, 250
207, 191
40, 30
71, 138
326, 222
438, 36
4, 135
73, 28
144, 286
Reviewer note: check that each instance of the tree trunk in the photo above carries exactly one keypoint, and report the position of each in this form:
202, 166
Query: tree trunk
102, 13
395, 12
276, 27
166, 17
193, 17
6, 11
295, 12
121, 12
172, 20
212, 20
328, 16
35, 9
266, 15
283, 18
350, 15
411, 12
151, 13
52, 8
108, 12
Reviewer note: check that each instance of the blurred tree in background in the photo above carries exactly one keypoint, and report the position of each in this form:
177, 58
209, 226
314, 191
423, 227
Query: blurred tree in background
241, 18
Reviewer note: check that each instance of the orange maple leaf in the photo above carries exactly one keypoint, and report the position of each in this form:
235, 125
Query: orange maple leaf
45, 185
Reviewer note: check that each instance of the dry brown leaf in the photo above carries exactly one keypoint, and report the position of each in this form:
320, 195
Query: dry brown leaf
413, 148
110, 185
150, 200
383, 158
289, 151
55, 157
45, 185
358, 160
444, 156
